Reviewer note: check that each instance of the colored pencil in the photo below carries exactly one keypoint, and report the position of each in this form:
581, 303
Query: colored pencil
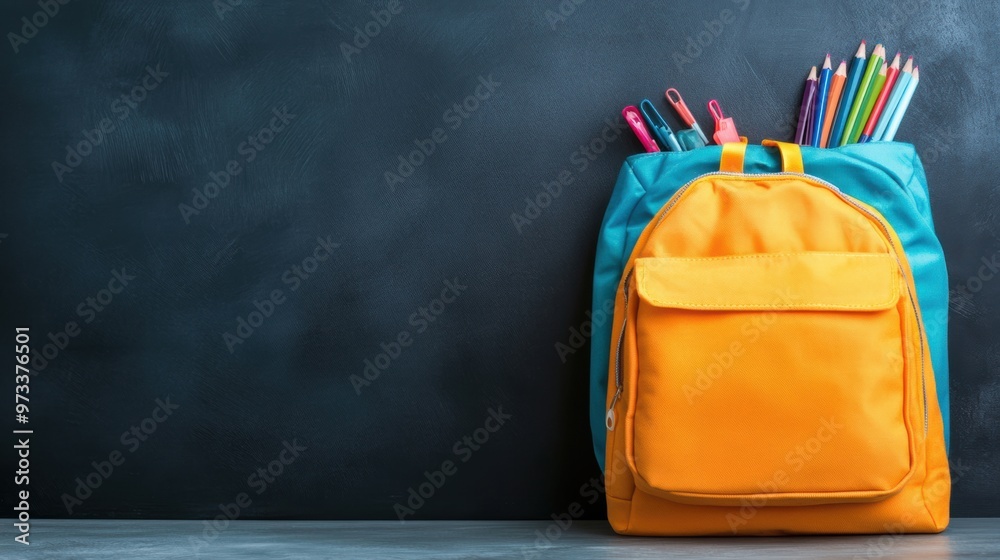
811, 118
904, 103
850, 91
819, 113
883, 96
870, 99
857, 104
805, 110
833, 99
905, 75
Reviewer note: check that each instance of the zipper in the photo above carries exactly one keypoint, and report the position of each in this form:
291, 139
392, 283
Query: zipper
610, 418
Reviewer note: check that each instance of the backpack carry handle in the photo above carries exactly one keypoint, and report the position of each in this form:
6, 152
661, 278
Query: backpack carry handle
791, 155
733, 154
732, 157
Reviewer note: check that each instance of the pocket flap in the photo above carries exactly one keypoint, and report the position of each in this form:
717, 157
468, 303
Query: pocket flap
771, 281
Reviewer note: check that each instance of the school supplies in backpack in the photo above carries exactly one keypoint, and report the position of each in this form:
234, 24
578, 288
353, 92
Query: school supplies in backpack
760, 313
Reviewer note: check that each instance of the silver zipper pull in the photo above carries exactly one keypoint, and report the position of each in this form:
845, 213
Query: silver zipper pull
609, 420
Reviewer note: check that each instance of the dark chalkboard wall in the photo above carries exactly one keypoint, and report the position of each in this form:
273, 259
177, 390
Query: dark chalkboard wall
250, 300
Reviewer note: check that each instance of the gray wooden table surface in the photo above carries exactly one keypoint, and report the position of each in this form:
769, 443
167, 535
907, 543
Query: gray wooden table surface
93, 539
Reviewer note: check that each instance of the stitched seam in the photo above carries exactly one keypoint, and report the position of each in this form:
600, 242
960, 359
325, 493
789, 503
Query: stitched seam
631, 503
624, 258
923, 485
786, 254
893, 295
807, 494
752, 306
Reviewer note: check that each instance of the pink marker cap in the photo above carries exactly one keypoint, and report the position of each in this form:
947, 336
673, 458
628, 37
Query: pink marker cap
634, 120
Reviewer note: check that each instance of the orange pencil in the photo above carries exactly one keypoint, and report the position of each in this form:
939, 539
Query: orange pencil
833, 101
890, 80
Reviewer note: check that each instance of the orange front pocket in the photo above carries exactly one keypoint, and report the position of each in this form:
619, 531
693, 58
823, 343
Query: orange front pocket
776, 376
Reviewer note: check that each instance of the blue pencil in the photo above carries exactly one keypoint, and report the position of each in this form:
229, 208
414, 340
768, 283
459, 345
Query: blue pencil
897, 114
905, 75
847, 99
821, 95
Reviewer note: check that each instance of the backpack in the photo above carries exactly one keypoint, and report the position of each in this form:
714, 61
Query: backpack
770, 361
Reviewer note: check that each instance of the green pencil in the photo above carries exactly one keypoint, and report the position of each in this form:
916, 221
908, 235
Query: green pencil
874, 64
873, 94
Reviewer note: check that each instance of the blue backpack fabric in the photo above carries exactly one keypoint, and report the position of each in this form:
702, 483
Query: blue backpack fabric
885, 175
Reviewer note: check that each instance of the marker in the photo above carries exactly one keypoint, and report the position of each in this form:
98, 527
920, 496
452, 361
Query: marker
850, 90
883, 96
905, 75
872, 68
836, 90
904, 103
677, 102
634, 120
659, 126
870, 100
725, 128
819, 117
689, 139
